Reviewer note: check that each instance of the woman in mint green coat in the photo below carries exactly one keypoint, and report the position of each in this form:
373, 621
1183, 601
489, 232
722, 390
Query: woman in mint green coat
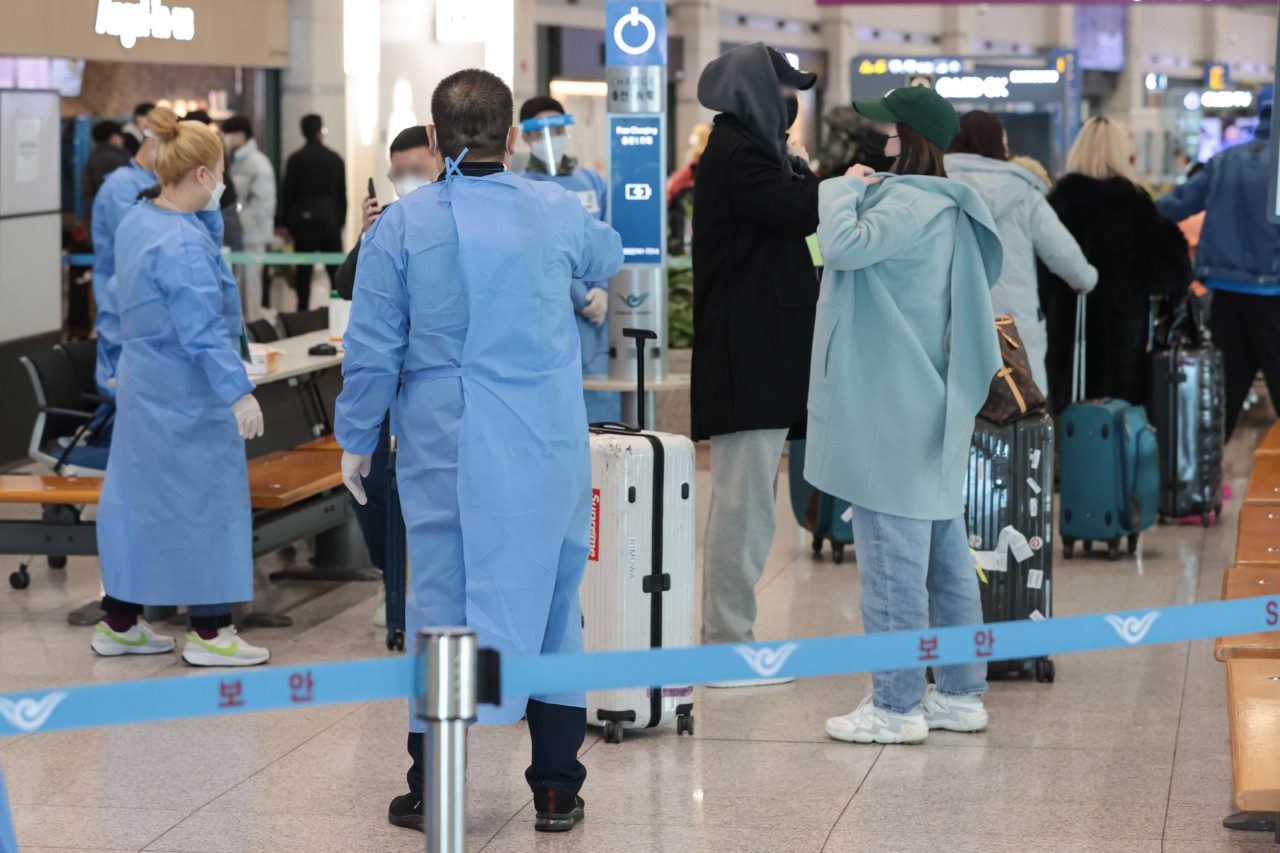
904, 349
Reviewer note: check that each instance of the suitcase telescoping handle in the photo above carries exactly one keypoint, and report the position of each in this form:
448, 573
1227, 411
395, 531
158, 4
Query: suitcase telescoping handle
1077, 365
641, 335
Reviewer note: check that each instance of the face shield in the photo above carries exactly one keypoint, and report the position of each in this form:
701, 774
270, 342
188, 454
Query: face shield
548, 136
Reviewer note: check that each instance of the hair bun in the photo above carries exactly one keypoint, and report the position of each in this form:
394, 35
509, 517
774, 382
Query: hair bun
163, 123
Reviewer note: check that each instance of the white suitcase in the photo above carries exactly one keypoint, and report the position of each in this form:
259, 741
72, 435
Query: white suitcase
637, 591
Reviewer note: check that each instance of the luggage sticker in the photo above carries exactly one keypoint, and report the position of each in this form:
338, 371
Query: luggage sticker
975, 541
1036, 543
990, 561
847, 515
1033, 506
1035, 487
1011, 539
1036, 616
1035, 461
1035, 578
594, 555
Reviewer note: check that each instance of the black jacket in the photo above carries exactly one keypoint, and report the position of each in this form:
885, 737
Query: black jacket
755, 287
1138, 254
313, 196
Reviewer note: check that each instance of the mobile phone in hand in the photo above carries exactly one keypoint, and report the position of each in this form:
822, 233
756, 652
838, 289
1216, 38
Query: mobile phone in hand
372, 192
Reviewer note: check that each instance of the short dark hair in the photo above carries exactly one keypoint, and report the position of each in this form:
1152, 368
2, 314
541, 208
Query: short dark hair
919, 156
540, 104
312, 125
104, 130
142, 109
201, 116
411, 137
238, 124
980, 133
472, 110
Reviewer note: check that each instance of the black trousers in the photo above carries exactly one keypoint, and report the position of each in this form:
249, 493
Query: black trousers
372, 516
302, 278
557, 732
1247, 330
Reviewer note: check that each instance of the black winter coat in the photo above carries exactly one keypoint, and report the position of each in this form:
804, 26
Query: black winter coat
313, 195
755, 287
1138, 253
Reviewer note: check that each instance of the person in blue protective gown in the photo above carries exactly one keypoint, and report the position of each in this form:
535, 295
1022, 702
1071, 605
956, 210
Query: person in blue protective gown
590, 298
174, 520
461, 315
115, 198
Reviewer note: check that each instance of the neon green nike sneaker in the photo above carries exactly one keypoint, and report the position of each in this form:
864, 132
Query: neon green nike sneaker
138, 640
226, 649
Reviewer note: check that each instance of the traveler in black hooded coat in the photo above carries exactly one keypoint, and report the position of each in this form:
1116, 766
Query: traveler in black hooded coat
755, 293
1138, 254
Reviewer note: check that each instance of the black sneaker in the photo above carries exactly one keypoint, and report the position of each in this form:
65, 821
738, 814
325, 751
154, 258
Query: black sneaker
557, 811
406, 811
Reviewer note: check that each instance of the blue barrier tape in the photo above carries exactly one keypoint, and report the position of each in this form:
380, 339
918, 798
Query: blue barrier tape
274, 688
8, 842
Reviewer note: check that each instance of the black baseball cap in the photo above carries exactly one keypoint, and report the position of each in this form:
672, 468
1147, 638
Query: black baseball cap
789, 76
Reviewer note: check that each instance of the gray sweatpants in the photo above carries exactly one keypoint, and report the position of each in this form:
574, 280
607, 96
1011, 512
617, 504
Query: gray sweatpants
740, 528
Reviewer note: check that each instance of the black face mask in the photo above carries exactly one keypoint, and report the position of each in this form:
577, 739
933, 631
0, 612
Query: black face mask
793, 109
871, 152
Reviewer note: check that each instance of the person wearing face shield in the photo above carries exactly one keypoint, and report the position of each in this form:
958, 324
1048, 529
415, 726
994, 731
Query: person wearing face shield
174, 522
413, 164
755, 289
590, 298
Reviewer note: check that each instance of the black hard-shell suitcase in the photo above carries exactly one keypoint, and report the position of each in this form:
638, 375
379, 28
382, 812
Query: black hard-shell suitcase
1187, 409
1009, 484
395, 574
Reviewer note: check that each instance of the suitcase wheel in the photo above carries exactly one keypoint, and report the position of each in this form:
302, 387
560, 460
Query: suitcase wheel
1133, 544
1113, 549
612, 732
684, 725
837, 551
395, 640
1068, 547
817, 544
57, 562
1161, 520
1044, 670
1206, 518
1088, 545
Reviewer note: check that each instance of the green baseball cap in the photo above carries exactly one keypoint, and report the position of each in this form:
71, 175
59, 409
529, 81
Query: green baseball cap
920, 108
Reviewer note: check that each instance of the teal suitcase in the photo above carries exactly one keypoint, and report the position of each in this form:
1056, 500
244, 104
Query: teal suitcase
828, 518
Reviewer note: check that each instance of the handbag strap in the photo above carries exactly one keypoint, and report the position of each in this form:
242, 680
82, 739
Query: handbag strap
1007, 374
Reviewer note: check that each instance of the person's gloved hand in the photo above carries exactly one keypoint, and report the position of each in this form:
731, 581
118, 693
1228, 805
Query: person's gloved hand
597, 305
248, 416
354, 467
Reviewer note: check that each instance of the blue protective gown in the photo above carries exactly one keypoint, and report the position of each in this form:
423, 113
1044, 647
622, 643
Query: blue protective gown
461, 313
593, 192
115, 198
174, 522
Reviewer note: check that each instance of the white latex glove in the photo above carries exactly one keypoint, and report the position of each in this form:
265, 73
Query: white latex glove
248, 416
597, 305
354, 467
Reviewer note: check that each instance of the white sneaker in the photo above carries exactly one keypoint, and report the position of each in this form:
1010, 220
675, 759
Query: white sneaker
869, 724
141, 639
954, 713
226, 649
380, 614
752, 682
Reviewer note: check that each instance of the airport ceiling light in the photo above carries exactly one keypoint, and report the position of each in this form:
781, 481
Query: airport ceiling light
491, 22
973, 88
361, 37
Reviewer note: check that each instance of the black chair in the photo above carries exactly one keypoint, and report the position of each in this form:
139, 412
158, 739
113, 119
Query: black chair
301, 322
262, 331
84, 358
64, 410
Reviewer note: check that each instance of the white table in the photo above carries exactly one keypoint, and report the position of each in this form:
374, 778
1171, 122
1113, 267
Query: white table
601, 382
300, 370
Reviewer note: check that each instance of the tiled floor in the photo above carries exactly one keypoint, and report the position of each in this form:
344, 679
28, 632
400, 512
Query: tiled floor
1126, 752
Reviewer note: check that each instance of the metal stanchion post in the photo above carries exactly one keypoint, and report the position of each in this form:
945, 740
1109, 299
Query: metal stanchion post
447, 701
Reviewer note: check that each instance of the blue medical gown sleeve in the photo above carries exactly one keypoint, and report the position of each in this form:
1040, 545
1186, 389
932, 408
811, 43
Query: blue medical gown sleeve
212, 220
107, 214
600, 250
195, 306
376, 340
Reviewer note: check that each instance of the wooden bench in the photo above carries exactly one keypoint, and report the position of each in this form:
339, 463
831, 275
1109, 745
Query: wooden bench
324, 442
1271, 443
1264, 485
1258, 541
1253, 703
1248, 582
293, 496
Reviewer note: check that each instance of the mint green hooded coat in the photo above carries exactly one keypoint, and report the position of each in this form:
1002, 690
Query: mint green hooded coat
904, 346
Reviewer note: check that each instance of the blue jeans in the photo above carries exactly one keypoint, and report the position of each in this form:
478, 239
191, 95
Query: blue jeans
917, 574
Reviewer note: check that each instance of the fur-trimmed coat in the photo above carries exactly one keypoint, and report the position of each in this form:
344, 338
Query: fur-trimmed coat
1138, 253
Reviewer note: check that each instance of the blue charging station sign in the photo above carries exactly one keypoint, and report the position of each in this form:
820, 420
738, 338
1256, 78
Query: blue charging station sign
635, 32
635, 186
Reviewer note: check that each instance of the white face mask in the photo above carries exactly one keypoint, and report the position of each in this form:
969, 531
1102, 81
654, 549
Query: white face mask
406, 184
558, 146
215, 195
